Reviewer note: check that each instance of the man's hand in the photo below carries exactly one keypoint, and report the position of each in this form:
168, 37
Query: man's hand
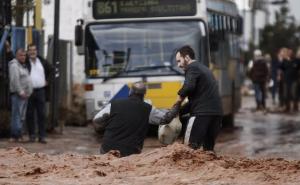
179, 99
102, 120
171, 114
23, 95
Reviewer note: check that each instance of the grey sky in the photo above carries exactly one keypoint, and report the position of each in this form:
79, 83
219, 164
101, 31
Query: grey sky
294, 6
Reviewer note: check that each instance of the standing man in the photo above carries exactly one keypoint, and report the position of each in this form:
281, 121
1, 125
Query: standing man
20, 86
204, 105
40, 75
259, 76
274, 75
297, 90
126, 122
290, 68
280, 78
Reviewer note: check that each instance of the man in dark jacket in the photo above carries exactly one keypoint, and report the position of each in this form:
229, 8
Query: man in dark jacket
204, 102
290, 68
297, 90
259, 76
40, 73
274, 75
126, 122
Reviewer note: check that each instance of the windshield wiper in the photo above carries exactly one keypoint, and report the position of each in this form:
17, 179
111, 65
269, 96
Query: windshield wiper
145, 68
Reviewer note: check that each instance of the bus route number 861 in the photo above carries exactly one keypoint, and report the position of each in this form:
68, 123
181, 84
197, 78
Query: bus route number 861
107, 8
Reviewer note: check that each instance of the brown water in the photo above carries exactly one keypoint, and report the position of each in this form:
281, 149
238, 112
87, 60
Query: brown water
256, 135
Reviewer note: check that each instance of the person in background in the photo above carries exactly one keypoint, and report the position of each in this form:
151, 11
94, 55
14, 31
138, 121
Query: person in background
290, 68
297, 61
20, 86
280, 78
268, 59
40, 74
274, 75
5, 76
9, 54
259, 76
125, 122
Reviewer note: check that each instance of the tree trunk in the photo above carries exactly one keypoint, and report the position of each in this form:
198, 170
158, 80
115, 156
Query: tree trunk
19, 12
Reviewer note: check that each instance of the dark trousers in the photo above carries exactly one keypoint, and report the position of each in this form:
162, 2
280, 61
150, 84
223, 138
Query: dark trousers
260, 94
281, 93
203, 131
36, 104
274, 89
291, 95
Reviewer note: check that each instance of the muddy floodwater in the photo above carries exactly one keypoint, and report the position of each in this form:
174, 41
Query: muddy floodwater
263, 149
255, 135
259, 134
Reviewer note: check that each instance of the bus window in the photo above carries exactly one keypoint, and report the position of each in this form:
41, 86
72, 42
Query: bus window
119, 57
234, 25
227, 23
211, 22
231, 25
219, 25
224, 23
151, 45
215, 22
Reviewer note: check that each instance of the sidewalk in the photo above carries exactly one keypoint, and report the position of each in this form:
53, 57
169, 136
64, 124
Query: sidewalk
82, 140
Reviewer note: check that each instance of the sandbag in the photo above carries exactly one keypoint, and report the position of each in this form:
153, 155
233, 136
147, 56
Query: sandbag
167, 134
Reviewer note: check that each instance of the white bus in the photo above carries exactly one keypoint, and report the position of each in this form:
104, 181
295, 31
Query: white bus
125, 41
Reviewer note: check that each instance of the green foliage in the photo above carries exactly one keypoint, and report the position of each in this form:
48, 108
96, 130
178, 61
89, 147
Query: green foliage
283, 33
19, 8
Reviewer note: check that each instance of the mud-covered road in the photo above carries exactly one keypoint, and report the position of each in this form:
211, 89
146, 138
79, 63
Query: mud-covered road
262, 149
175, 164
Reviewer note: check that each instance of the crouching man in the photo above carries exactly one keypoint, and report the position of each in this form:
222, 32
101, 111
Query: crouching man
126, 122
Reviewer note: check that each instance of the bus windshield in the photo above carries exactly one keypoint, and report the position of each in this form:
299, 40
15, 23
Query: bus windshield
135, 49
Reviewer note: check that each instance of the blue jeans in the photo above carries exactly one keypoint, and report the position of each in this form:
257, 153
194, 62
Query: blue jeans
260, 94
18, 113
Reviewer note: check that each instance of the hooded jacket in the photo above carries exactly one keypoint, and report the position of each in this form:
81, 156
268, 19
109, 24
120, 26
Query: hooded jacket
19, 78
259, 72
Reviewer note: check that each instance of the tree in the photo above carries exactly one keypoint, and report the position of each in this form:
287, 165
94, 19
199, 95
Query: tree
283, 33
20, 7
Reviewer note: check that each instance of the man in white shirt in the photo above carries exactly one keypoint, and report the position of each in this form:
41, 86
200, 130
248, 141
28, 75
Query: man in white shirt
40, 73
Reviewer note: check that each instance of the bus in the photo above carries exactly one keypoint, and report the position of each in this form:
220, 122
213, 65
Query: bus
124, 41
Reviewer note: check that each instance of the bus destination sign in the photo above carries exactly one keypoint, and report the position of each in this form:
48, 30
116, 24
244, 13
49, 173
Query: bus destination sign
107, 9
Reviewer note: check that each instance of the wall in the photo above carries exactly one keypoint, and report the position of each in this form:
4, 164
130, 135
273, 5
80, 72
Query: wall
70, 11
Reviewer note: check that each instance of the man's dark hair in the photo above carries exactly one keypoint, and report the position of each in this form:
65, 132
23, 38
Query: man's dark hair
138, 89
31, 45
186, 50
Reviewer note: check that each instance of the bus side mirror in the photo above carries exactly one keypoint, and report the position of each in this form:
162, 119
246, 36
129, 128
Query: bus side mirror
78, 35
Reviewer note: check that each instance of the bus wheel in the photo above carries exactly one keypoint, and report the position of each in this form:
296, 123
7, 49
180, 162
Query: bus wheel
228, 121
